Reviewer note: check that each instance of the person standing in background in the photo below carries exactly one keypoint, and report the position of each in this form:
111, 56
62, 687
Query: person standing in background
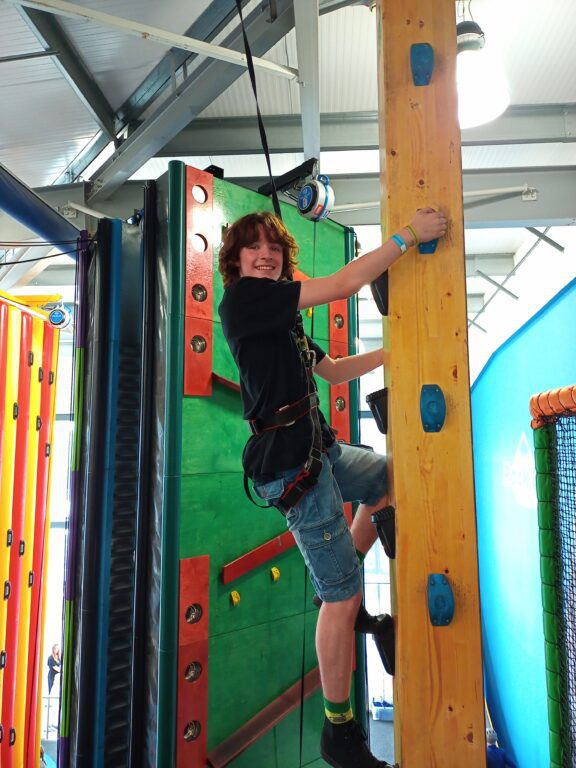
54, 666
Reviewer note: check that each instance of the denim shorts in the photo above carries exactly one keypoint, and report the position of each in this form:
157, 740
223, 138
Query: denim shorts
349, 473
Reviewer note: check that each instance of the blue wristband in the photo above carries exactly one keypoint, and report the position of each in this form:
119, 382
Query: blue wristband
400, 243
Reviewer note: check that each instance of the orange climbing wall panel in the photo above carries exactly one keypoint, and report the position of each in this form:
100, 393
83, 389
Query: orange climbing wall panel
198, 303
191, 750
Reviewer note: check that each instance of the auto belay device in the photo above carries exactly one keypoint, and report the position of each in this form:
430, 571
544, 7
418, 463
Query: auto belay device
316, 198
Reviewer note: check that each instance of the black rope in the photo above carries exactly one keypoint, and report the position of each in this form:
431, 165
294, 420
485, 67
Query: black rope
278, 212
303, 669
38, 258
36, 243
263, 138
303, 666
313, 309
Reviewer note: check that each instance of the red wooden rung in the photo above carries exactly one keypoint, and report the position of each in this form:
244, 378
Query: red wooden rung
192, 716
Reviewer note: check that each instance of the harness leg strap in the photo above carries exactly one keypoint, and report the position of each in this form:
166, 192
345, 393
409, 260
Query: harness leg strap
385, 521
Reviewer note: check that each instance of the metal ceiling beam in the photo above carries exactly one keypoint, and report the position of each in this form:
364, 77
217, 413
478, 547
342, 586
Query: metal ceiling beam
497, 285
526, 124
306, 18
475, 324
21, 203
327, 6
474, 302
537, 124
51, 35
147, 32
508, 277
208, 80
239, 135
496, 264
206, 27
555, 204
66, 199
58, 275
542, 236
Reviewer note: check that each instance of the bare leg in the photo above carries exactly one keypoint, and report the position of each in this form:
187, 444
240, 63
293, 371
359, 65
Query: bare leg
335, 645
344, 744
363, 529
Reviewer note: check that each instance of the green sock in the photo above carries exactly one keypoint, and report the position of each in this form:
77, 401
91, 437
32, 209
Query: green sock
361, 556
338, 713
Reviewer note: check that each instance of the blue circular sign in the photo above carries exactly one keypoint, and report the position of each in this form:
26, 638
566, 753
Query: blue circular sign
58, 317
305, 197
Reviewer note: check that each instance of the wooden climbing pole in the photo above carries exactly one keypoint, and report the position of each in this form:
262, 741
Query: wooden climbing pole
439, 710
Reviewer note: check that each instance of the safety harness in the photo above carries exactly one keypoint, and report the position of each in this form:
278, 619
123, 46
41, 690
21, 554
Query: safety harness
288, 415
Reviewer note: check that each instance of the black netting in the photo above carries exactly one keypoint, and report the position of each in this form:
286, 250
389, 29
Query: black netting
566, 485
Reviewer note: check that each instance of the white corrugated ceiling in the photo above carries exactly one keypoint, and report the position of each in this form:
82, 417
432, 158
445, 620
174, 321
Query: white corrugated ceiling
44, 125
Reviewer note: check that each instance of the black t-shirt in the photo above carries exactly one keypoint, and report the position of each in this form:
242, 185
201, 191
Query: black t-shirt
258, 317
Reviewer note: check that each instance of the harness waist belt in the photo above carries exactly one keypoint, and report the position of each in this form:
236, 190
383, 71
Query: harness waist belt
285, 416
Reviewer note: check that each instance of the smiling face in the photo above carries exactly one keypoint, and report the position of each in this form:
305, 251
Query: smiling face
261, 258
255, 235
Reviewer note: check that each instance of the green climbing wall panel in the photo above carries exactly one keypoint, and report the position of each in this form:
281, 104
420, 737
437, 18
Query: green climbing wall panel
255, 646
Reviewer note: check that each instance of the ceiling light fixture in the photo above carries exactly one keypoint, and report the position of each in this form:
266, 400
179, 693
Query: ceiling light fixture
482, 90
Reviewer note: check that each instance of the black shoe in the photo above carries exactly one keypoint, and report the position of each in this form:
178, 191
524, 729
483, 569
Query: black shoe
372, 625
344, 746
385, 521
384, 637
365, 622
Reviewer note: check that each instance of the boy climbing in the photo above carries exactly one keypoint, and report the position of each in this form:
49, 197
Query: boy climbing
293, 457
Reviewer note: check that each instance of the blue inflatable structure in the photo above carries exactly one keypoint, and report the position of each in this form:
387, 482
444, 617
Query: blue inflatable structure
538, 357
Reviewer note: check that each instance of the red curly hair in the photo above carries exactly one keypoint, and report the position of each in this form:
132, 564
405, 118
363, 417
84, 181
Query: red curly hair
245, 232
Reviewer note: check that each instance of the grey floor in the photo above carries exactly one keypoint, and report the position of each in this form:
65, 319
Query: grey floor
382, 739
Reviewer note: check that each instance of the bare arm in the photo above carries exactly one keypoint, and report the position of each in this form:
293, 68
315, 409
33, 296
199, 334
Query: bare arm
348, 368
427, 223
